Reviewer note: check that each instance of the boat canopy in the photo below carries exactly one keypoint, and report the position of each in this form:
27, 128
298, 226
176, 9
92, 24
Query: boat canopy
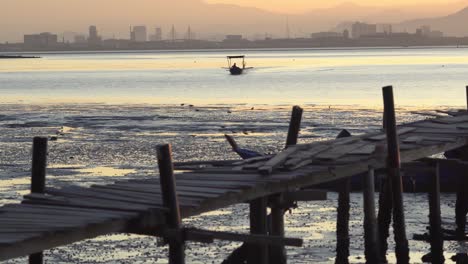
236, 57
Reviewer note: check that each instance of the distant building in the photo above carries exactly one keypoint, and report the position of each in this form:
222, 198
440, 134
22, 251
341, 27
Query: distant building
346, 34
425, 30
362, 29
80, 39
326, 35
436, 34
138, 34
385, 28
94, 38
42, 40
157, 35
233, 38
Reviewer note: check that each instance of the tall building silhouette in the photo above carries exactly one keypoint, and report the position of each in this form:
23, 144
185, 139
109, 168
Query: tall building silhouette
362, 29
157, 34
138, 34
94, 38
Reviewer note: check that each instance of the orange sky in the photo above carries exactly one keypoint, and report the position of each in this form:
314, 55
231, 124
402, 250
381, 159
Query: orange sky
298, 6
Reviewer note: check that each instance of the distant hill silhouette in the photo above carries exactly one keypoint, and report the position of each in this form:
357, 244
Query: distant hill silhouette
113, 17
452, 25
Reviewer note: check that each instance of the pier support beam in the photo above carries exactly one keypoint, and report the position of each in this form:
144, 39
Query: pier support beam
277, 253
342, 223
393, 169
170, 200
258, 253
38, 176
371, 235
435, 221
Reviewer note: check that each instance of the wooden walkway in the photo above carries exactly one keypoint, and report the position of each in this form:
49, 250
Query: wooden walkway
59, 217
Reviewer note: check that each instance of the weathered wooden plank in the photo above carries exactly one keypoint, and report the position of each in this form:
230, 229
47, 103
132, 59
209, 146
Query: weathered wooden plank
75, 191
400, 131
143, 186
365, 150
339, 151
277, 160
88, 203
452, 119
58, 238
153, 191
305, 155
71, 210
446, 132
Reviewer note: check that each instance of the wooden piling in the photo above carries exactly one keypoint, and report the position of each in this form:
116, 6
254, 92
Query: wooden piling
384, 217
461, 205
385, 208
294, 126
277, 252
436, 233
170, 200
38, 176
393, 168
371, 236
258, 253
466, 93
342, 223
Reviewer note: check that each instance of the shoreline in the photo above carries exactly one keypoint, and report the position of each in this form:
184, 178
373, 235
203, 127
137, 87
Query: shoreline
211, 50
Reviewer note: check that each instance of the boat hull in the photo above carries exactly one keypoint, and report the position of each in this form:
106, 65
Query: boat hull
236, 71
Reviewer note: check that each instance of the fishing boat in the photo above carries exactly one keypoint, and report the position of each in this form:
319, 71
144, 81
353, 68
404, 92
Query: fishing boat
233, 68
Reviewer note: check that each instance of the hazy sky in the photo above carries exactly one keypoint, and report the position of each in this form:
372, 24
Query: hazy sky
297, 6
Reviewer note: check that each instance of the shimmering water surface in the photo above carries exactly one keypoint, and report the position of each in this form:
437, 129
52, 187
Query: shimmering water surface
109, 110
420, 76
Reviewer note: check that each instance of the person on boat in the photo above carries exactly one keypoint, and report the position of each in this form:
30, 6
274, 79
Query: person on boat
234, 67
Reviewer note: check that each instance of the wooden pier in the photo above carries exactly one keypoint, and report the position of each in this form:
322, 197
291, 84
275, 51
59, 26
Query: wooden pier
50, 217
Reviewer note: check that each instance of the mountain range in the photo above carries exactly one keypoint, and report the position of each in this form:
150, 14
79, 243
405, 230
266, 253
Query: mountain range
113, 17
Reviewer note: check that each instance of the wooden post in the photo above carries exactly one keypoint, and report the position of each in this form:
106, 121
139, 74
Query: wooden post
393, 168
461, 205
384, 217
294, 126
277, 253
38, 175
342, 223
466, 93
385, 208
170, 200
258, 254
436, 233
371, 235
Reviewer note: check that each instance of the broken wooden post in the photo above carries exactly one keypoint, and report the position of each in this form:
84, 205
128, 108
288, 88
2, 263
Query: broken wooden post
371, 235
294, 126
435, 221
170, 200
278, 253
393, 168
38, 176
258, 253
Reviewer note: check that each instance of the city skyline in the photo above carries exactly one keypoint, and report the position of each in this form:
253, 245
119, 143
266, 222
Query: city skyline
212, 20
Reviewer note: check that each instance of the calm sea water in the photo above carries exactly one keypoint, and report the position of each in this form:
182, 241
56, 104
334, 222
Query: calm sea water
109, 110
431, 76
